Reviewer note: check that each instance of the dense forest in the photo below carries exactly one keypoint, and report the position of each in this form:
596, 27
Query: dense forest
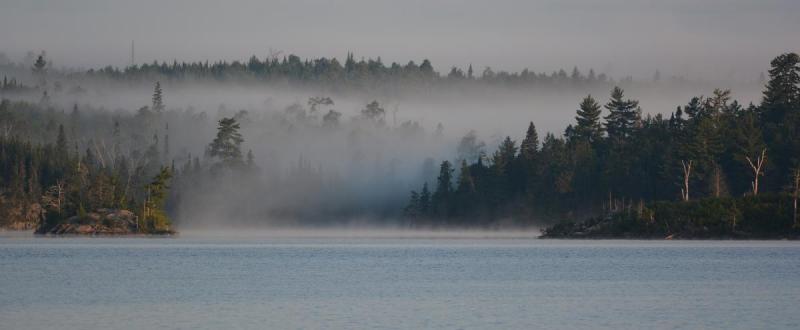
618, 164
122, 171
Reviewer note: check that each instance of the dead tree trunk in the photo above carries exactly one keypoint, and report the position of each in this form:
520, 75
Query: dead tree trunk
717, 180
757, 167
687, 172
795, 194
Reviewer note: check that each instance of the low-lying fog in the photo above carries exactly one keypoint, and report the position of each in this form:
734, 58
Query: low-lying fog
357, 170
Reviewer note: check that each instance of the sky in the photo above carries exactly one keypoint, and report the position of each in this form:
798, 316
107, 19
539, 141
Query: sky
699, 39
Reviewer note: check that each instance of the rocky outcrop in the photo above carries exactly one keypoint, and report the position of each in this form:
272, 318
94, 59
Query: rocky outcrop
100, 222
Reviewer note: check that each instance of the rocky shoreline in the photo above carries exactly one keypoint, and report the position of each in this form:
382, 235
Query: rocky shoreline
105, 222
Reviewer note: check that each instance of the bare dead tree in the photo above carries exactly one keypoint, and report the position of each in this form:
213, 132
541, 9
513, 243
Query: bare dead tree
100, 154
717, 180
687, 172
757, 167
109, 154
795, 193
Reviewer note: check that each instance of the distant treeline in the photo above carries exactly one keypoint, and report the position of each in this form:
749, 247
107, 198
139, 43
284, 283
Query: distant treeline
617, 159
361, 72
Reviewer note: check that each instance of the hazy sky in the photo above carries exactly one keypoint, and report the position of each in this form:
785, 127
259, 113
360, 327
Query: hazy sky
716, 38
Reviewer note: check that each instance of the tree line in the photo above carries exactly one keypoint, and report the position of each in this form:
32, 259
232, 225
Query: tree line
712, 147
362, 72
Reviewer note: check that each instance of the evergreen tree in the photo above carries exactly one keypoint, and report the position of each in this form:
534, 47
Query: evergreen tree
444, 190
412, 209
374, 113
781, 117
226, 146
155, 218
589, 127
40, 71
504, 156
530, 144
622, 117
465, 191
61, 143
158, 101
425, 201
782, 92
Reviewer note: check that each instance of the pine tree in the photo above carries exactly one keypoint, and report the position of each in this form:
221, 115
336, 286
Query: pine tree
782, 92
158, 101
444, 190
589, 127
374, 113
226, 146
530, 144
155, 218
504, 156
39, 70
780, 110
622, 117
412, 209
465, 191
425, 201
61, 143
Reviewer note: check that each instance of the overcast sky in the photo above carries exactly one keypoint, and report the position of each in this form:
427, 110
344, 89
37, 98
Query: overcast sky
718, 39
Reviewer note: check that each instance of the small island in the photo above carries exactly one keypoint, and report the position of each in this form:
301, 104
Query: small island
766, 216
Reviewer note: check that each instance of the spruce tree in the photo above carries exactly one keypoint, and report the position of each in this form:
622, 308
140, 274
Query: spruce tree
154, 215
226, 146
444, 190
782, 92
622, 117
158, 100
589, 127
425, 201
465, 190
780, 110
530, 144
61, 144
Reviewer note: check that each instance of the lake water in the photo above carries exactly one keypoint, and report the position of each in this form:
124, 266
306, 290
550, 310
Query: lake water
382, 282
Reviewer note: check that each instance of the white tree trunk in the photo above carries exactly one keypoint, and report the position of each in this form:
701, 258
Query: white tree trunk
757, 168
687, 172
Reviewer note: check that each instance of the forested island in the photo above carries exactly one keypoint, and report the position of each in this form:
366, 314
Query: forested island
713, 168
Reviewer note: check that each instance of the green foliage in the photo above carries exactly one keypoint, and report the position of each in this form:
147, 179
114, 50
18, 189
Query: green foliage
623, 116
588, 119
226, 146
585, 173
763, 216
153, 214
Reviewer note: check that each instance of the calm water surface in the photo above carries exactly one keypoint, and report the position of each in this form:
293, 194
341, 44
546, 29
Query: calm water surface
346, 283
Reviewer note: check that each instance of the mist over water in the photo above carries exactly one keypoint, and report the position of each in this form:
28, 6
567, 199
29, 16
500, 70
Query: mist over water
361, 171
356, 172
